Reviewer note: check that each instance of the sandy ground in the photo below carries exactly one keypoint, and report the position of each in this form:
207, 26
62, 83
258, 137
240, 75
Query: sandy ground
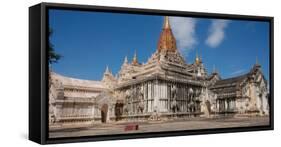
157, 126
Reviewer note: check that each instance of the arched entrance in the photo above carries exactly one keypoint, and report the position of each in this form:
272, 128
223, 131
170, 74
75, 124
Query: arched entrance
118, 110
104, 110
208, 106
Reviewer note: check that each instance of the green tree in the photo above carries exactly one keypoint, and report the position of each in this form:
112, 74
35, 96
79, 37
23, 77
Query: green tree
53, 56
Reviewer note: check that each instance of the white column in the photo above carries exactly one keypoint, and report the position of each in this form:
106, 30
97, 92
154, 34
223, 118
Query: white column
225, 105
156, 95
166, 97
265, 103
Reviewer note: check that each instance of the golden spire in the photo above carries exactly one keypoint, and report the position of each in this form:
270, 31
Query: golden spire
135, 60
166, 23
197, 60
167, 41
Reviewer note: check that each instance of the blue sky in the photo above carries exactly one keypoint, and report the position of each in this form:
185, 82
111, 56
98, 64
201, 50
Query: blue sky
89, 41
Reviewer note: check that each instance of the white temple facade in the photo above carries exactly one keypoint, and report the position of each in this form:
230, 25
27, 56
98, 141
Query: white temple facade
165, 87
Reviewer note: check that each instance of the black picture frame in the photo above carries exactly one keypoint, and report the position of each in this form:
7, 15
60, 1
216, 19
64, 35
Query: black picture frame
38, 72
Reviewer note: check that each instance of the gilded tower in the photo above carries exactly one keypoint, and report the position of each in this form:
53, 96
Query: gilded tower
167, 41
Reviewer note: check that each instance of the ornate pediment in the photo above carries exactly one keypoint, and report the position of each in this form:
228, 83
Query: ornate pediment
104, 98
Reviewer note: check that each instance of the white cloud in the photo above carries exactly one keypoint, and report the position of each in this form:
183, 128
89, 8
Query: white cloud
216, 32
184, 31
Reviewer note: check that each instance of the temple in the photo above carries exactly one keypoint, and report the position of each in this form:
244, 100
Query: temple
165, 87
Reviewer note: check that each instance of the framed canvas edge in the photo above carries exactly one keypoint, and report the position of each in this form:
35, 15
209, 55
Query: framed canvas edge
44, 139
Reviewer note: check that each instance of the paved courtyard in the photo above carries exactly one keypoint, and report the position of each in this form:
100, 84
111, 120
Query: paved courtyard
157, 126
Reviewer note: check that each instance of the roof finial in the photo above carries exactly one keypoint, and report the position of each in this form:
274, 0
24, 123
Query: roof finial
135, 55
257, 62
107, 70
197, 58
166, 22
135, 60
125, 60
200, 55
214, 69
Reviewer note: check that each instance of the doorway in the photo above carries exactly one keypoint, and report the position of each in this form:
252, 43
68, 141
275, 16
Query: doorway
104, 110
